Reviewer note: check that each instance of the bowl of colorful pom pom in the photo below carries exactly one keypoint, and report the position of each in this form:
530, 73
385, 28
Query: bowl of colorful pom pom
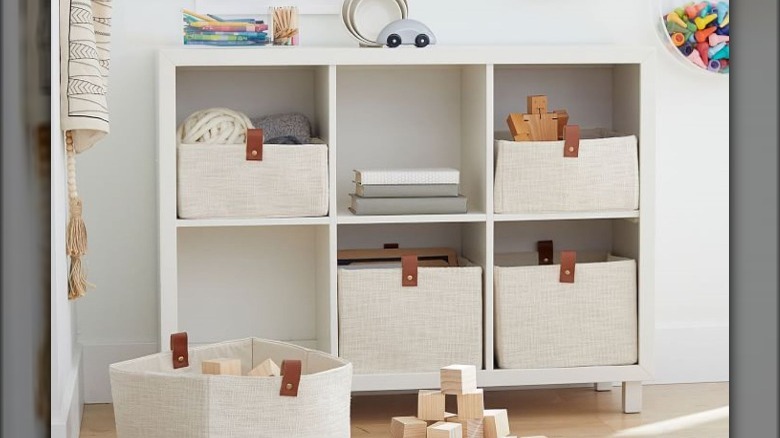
696, 33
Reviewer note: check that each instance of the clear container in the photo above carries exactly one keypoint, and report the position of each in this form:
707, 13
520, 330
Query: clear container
284, 25
661, 9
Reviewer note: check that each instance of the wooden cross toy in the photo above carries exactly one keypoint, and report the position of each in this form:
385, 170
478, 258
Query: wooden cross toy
537, 124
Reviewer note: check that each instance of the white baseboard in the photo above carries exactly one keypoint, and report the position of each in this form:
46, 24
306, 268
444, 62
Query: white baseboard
66, 420
97, 358
683, 354
691, 354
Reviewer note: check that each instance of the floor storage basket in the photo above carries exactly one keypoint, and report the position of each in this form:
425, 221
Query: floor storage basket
388, 327
535, 176
565, 313
154, 400
217, 181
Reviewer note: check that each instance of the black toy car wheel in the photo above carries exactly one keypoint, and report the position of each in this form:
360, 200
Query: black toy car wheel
393, 40
422, 40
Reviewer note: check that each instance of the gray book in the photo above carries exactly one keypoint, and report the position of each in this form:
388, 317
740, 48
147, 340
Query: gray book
406, 190
428, 205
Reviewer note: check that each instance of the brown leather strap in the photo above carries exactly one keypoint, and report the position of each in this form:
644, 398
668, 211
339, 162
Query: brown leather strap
568, 260
180, 353
409, 270
571, 141
254, 145
390, 246
545, 250
291, 378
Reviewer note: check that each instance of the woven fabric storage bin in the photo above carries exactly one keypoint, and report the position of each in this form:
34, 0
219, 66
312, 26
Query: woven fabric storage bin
387, 328
534, 176
152, 400
217, 181
543, 323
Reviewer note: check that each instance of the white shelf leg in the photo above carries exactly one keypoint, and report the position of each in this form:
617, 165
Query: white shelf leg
603, 386
632, 397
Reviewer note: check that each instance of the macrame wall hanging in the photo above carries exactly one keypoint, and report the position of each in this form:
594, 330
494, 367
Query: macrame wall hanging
85, 33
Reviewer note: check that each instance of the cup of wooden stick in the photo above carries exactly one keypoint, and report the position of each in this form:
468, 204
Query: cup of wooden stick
284, 25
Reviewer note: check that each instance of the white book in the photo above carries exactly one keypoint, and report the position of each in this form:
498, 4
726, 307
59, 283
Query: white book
407, 176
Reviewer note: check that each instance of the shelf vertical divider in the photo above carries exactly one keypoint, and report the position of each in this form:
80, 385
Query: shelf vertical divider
489, 315
332, 139
166, 184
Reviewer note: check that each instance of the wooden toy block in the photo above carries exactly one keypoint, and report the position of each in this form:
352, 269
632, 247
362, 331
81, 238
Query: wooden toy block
496, 423
473, 428
471, 405
563, 120
408, 427
518, 127
458, 379
430, 405
221, 366
266, 369
537, 104
445, 430
543, 126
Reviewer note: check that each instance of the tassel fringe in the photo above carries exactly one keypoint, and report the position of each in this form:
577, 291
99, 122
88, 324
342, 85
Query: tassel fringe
76, 240
76, 233
77, 279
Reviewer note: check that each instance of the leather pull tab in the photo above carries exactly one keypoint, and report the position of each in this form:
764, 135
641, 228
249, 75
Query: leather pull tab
545, 250
254, 145
571, 141
291, 378
409, 270
568, 260
390, 246
180, 350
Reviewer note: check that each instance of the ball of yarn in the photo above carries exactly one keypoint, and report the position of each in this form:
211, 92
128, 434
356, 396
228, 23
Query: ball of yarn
215, 126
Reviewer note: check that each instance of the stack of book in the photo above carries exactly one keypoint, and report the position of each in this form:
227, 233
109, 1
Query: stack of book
407, 191
213, 30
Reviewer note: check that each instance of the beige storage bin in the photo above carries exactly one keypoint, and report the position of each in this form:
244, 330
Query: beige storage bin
217, 181
385, 327
154, 400
542, 322
535, 177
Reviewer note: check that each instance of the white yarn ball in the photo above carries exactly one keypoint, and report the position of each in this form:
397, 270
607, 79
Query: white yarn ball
215, 126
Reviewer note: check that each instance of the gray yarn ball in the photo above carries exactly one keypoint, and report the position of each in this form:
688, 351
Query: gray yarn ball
285, 128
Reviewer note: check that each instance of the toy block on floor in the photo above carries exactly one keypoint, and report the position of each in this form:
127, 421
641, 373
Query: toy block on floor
458, 379
266, 369
471, 428
430, 405
408, 427
221, 366
471, 405
496, 423
445, 430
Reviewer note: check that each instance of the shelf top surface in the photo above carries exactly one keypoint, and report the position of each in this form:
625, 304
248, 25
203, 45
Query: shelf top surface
435, 55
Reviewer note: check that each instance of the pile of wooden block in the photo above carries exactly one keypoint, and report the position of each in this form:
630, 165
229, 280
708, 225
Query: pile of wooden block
472, 420
232, 367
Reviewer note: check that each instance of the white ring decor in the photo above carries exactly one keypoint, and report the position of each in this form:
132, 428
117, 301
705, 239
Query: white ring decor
348, 16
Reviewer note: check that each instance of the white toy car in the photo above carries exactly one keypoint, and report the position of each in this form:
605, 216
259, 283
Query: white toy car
406, 31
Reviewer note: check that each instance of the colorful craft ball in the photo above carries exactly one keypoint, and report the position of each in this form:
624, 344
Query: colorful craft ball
699, 31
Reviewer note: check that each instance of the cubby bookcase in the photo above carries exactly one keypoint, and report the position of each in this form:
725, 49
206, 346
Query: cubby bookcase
441, 106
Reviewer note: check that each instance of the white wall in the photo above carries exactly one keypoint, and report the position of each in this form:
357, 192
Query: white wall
117, 179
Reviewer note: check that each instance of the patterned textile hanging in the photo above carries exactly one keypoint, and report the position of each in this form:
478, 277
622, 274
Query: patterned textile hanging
85, 33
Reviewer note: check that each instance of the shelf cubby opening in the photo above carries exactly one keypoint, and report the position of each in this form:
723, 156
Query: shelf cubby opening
413, 117
268, 282
595, 96
257, 92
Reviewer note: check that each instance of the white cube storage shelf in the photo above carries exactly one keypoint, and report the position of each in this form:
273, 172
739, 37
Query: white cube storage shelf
438, 107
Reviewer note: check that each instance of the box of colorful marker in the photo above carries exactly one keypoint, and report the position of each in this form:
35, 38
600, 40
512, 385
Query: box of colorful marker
213, 30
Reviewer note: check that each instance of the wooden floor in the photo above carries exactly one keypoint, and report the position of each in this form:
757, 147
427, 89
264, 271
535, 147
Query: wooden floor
670, 411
